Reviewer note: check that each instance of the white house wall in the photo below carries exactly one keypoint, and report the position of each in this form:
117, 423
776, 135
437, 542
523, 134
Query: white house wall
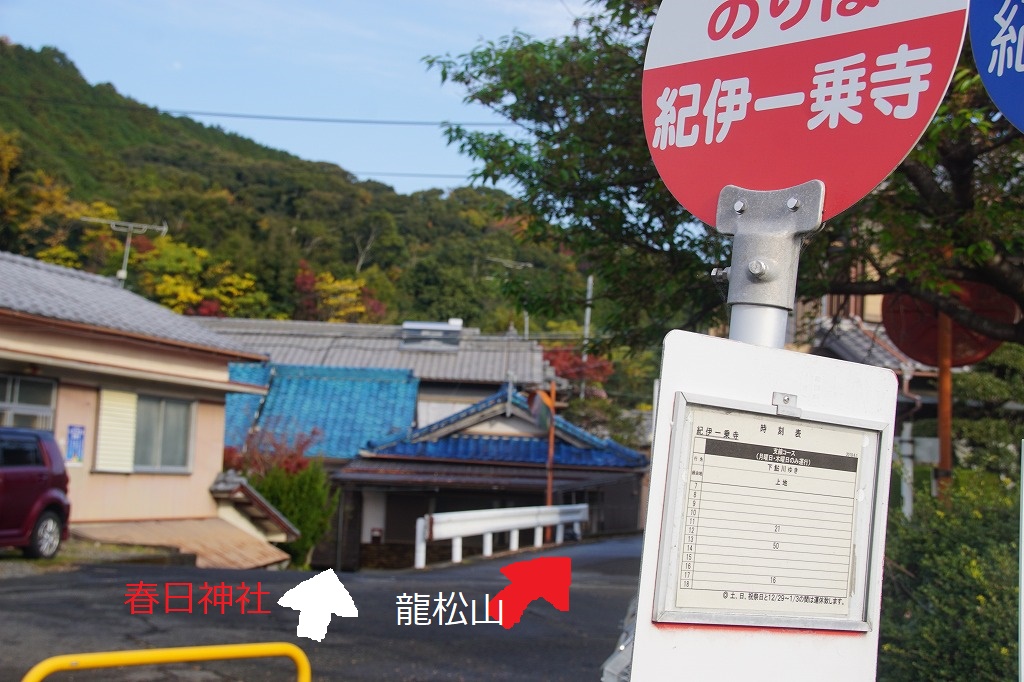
374, 514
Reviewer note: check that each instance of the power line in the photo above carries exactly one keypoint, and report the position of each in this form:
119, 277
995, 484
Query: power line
302, 119
452, 176
346, 121
268, 117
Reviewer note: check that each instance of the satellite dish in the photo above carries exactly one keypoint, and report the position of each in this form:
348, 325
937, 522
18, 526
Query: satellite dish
913, 325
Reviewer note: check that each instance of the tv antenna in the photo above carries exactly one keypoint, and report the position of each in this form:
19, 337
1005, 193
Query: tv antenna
129, 229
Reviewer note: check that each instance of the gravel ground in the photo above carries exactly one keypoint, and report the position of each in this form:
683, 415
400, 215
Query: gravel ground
75, 553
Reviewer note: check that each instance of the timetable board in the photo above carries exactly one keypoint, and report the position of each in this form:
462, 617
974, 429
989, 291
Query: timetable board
765, 514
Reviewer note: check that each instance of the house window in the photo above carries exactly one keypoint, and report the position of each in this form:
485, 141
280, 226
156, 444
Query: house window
162, 430
27, 401
143, 433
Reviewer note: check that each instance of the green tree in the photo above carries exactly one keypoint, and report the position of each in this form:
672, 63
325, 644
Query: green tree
440, 292
305, 499
988, 425
297, 485
951, 579
950, 594
37, 211
70, 149
950, 212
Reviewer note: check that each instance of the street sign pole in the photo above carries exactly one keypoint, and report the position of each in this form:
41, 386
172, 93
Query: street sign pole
767, 228
765, 530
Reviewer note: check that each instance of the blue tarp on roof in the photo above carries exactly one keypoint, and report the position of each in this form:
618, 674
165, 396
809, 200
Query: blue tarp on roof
596, 452
347, 407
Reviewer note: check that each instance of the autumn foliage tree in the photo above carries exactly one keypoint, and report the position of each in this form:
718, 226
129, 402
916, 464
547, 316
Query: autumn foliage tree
325, 298
188, 280
568, 363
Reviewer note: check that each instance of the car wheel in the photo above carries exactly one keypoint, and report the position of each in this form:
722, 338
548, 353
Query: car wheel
45, 540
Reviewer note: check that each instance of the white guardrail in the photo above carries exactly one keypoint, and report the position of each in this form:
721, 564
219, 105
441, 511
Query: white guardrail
456, 525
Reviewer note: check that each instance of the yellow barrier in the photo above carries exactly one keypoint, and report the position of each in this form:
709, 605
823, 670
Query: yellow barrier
114, 659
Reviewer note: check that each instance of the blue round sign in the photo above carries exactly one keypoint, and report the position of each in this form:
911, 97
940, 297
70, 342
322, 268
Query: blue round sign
997, 40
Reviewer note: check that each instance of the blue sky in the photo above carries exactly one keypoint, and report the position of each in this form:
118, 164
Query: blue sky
302, 58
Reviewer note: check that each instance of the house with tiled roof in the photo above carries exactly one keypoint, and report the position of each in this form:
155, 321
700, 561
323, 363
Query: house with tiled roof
430, 435
337, 409
135, 395
455, 366
866, 342
491, 454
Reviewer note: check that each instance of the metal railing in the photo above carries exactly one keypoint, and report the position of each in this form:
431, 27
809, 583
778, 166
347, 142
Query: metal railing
486, 522
116, 659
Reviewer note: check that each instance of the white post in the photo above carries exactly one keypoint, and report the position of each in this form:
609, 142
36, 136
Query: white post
907, 458
586, 330
456, 550
577, 529
1020, 571
488, 544
513, 540
538, 536
421, 543
559, 533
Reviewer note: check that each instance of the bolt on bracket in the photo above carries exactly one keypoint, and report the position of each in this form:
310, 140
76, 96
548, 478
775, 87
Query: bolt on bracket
768, 228
785, 405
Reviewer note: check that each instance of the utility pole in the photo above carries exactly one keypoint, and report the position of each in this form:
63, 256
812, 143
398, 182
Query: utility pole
586, 334
129, 229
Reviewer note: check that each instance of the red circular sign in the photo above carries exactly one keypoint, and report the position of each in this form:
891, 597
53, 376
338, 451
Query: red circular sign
770, 94
913, 324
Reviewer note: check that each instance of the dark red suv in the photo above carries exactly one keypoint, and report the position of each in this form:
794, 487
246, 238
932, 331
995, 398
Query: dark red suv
34, 507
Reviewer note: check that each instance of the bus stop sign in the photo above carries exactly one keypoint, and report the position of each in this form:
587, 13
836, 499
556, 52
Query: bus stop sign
997, 39
770, 94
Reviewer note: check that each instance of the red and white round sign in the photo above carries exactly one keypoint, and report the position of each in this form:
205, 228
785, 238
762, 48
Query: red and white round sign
769, 94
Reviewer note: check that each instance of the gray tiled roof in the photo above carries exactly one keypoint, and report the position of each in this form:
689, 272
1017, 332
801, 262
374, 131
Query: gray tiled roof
867, 343
479, 358
44, 290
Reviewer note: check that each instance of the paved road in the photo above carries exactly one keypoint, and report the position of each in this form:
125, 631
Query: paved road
84, 610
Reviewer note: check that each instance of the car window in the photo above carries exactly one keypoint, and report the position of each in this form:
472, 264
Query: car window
20, 452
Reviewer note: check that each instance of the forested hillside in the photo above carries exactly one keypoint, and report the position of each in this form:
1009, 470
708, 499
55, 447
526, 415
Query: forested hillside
252, 231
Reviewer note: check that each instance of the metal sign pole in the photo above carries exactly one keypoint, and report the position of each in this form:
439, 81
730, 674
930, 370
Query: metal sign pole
768, 229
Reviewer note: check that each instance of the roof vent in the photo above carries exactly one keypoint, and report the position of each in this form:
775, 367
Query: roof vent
431, 336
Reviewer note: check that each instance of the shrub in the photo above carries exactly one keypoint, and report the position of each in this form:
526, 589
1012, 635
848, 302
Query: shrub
949, 607
297, 484
305, 498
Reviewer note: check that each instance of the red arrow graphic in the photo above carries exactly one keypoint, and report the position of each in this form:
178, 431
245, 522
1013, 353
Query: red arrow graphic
547, 578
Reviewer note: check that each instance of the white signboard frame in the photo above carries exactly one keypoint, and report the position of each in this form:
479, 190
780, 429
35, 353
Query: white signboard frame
703, 375
763, 517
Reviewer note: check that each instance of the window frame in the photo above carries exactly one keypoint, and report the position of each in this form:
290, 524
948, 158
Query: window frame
10, 408
189, 445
